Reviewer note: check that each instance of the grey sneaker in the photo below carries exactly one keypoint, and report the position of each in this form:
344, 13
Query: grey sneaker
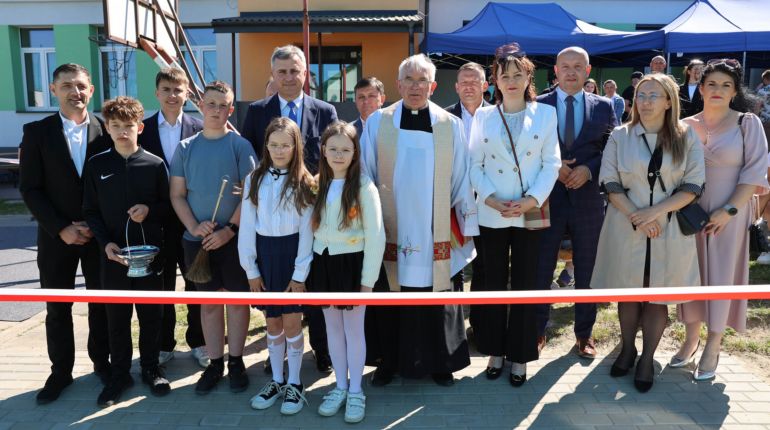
165, 356
333, 401
200, 355
355, 409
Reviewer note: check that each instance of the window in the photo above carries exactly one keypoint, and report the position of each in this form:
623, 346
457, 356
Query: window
204, 49
340, 71
38, 63
118, 71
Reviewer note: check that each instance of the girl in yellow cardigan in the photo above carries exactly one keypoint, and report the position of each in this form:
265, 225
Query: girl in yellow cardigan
349, 241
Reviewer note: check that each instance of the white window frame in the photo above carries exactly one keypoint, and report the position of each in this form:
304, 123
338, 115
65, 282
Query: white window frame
197, 53
122, 81
43, 54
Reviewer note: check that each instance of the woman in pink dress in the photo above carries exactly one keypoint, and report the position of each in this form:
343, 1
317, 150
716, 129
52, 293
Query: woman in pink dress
735, 149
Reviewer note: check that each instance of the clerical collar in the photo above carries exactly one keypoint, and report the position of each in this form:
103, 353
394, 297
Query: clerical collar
277, 173
418, 120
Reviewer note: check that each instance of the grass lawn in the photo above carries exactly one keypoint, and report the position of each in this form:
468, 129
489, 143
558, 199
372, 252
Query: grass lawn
13, 208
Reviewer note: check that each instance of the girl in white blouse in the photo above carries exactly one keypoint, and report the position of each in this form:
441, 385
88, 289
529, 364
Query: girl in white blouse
347, 256
275, 248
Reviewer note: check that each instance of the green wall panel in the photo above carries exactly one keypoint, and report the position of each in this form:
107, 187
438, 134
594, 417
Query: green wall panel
11, 83
74, 46
146, 69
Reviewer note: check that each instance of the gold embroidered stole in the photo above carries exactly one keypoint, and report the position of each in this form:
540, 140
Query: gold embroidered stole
443, 152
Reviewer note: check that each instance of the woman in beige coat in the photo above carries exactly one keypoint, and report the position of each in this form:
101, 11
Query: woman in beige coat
651, 167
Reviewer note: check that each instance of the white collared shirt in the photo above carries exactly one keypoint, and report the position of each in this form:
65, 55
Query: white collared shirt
77, 140
467, 118
170, 135
297, 102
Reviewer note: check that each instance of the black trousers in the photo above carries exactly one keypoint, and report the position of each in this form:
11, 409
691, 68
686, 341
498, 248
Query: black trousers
316, 328
174, 255
508, 330
119, 321
58, 264
381, 330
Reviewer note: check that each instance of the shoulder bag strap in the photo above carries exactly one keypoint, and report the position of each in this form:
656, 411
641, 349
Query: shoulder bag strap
510, 139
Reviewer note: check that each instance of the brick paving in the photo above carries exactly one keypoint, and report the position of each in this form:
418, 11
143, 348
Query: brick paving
562, 391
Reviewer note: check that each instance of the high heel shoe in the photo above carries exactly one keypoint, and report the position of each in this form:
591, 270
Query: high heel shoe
677, 362
617, 371
640, 384
708, 375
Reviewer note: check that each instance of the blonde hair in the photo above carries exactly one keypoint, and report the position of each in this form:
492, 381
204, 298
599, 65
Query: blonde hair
671, 137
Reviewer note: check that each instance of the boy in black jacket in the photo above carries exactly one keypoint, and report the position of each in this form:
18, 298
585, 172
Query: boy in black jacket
124, 186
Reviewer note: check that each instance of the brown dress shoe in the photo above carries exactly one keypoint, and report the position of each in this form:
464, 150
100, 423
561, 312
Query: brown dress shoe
540, 344
585, 347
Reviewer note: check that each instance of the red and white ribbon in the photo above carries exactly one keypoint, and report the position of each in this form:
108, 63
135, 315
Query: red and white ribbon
679, 294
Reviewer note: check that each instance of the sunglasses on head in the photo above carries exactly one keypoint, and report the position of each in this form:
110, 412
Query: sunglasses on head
728, 61
510, 50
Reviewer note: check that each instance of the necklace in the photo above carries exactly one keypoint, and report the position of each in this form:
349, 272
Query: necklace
709, 131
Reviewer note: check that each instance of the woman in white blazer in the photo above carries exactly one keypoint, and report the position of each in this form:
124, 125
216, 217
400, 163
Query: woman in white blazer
503, 197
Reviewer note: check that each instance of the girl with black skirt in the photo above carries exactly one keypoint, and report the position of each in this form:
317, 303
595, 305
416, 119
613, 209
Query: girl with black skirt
275, 249
347, 255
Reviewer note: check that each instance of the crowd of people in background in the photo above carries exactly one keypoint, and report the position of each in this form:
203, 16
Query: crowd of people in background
401, 199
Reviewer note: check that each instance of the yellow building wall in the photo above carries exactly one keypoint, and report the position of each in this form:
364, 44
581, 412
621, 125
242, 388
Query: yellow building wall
289, 5
381, 53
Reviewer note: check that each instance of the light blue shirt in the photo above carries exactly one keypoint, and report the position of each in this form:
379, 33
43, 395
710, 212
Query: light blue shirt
298, 108
561, 111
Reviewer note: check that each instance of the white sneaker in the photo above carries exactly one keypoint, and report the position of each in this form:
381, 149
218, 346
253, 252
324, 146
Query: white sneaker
293, 396
165, 356
764, 258
201, 356
332, 403
355, 409
267, 396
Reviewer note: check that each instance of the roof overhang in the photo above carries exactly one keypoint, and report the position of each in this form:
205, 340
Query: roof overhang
338, 21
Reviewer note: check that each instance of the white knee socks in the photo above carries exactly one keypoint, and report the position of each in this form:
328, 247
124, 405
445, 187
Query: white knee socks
295, 348
276, 347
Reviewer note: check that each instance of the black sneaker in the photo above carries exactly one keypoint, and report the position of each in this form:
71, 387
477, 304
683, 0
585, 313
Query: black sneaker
112, 391
293, 399
236, 372
208, 380
156, 380
267, 396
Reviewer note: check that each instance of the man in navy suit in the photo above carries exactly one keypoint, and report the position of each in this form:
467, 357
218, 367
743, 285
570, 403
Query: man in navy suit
312, 115
162, 134
369, 96
470, 87
577, 206
289, 72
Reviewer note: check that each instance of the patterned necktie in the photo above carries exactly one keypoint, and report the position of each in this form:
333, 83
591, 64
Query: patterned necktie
569, 122
292, 112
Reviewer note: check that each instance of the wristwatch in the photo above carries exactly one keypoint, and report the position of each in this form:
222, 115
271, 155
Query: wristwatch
233, 226
730, 209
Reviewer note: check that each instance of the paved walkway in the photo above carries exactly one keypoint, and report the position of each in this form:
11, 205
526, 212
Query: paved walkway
563, 391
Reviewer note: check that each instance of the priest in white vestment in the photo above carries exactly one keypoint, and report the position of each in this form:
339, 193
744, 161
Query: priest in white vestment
416, 154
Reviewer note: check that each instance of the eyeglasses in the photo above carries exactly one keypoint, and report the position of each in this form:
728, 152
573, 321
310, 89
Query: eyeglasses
279, 148
728, 61
422, 83
652, 97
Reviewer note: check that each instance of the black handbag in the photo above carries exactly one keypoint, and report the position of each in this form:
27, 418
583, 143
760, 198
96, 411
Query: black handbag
692, 219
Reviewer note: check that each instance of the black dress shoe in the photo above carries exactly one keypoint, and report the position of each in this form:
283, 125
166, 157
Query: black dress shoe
443, 379
494, 372
322, 361
103, 372
642, 385
112, 391
517, 380
619, 369
53, 387
381, 377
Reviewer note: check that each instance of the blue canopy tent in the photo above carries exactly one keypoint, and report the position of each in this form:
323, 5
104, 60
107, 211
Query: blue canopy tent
540, 29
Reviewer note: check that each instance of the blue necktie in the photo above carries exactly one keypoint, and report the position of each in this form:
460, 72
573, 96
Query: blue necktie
292, 112
569, 122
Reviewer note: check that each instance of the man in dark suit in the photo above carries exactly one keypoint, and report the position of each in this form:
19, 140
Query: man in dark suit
369, 96
289, 71
162, 134
53, 151
470, 87
690, 98
312, 115
577, 206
